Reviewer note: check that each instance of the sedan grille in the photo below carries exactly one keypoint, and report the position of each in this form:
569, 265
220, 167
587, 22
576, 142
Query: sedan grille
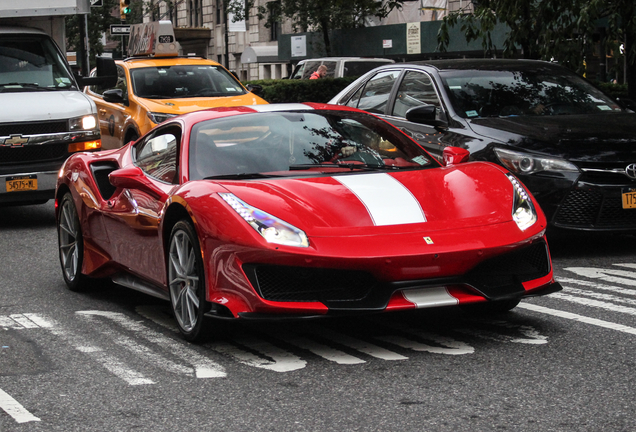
302, 284
594, 209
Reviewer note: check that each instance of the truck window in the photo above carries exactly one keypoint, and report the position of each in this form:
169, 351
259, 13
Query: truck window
29, 62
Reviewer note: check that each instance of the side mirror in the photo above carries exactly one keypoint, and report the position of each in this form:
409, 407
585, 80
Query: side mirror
114, 96
132, 177
106, 75
255, 88
427, 115
627, 103
455, 155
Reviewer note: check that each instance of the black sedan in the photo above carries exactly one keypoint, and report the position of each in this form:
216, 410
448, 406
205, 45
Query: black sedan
572, 145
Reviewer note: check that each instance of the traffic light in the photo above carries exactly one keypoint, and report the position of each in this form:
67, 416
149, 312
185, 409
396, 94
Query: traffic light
124, 8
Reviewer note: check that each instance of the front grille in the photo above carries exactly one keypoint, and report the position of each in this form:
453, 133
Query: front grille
282, 283
33, 153
503, 275
594, 209
37, 128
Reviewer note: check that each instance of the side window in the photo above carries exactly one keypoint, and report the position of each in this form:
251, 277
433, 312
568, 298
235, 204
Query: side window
121, 83
375, 94
415, 90
157, 154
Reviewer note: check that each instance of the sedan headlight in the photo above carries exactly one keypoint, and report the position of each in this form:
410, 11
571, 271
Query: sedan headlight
525, 163
270, 227
88, 122
157, 117
523, 211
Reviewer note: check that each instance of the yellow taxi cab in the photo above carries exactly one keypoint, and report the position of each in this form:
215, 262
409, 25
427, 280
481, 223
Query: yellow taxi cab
155, 84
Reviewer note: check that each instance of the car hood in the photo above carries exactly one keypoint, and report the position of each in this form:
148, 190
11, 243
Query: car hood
592, 138
472, 194
38, 105
186, 105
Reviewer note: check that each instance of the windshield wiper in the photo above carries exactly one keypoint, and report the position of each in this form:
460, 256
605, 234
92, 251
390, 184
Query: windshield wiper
350, 166
239, 176
15, 85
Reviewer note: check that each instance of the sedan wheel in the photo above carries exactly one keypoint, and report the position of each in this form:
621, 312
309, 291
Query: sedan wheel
186, 280
71, 244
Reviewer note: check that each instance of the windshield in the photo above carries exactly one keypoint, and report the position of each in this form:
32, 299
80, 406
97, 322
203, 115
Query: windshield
31, 63
476, 93
184, 81
300, 143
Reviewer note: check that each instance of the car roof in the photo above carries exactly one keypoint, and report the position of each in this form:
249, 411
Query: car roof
138, 62
347, 59
483, 64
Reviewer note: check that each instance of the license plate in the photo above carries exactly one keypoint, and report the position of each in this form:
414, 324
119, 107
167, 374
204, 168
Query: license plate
22, 183
629, 198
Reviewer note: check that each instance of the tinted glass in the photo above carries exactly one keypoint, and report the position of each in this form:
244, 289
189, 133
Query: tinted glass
416, 89
291, 143
358, 68
168, 82
157, 155
545, 91
376, 92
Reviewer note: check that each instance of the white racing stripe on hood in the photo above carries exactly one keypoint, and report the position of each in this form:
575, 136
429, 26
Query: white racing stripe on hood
387, 200
280, 107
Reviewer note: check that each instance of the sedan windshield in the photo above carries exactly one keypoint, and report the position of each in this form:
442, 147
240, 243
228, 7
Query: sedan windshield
299, 143
476, 93
184, 81
31, 63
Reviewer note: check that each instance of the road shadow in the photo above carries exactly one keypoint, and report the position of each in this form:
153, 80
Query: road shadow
27, 216
585, 244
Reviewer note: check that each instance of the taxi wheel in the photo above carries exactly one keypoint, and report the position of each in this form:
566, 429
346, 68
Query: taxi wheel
71, 244
186, 281
491, 307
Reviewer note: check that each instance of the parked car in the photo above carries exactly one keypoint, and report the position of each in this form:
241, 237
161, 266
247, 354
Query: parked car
569, 143
337, 67
298, 210
155, 84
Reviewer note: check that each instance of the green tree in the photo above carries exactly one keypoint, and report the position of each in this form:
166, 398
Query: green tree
550, 29
322, 15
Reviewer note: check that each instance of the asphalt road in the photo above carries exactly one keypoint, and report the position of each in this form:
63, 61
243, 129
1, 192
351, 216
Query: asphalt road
110, 359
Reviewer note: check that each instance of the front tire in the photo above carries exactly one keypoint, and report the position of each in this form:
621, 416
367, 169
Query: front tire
71, 244
186, 281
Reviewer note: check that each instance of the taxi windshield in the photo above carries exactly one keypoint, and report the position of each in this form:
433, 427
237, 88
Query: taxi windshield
31, 63
300, 143
184, 81
497, 93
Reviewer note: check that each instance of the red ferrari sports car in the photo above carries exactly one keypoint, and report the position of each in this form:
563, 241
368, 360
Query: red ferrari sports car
298, 210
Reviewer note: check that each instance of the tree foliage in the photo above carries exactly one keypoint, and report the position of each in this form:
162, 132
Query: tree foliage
551, 29
322, 16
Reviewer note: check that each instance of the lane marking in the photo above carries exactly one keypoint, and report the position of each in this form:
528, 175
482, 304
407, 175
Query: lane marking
608, 275
14, 409
595, 303
612, 288
204, 367
597, 295
360, 345
531, 335
277, 359
577, 317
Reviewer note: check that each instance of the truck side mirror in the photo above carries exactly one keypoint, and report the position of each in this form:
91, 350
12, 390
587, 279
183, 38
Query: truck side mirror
106, 75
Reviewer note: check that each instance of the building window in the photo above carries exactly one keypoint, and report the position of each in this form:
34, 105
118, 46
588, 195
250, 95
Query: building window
273, 19
220, 19
196, 13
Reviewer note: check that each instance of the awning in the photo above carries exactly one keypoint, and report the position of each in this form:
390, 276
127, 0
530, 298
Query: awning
260, 54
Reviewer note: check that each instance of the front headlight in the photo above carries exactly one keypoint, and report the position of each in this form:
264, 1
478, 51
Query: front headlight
525, 163
270, 227
88, 122
523, 211
157, 117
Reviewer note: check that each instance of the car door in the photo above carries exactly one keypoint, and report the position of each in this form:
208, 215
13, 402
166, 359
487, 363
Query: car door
111, 116
135, 215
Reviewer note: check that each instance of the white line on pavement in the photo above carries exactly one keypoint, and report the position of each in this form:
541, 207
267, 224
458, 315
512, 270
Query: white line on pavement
577, 317
14, 409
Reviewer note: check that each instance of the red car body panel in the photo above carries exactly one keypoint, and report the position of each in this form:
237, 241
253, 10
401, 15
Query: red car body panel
467, 210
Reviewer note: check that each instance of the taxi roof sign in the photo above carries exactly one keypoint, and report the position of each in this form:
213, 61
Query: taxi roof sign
154, 38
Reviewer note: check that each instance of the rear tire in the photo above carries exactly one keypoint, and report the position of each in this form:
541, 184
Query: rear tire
71, 244
186, 281
490, 307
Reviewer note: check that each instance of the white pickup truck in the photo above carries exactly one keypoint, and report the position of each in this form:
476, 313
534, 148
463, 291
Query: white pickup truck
44, 116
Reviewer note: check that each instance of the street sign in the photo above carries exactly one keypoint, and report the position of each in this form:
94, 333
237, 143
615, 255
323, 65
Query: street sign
119, 29
97, 3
